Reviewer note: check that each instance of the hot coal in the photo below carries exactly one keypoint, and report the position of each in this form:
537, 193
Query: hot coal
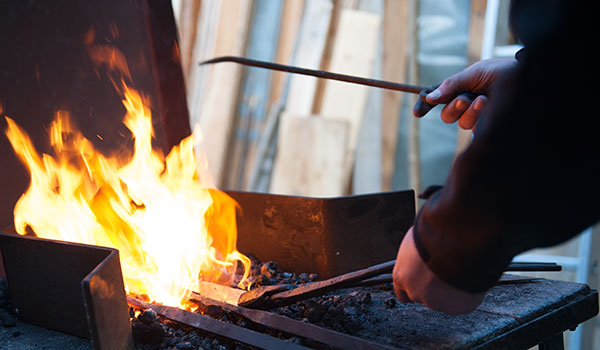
347, 311
150, 332
267, 274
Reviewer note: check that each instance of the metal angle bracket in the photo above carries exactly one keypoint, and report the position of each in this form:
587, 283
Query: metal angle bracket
69, 287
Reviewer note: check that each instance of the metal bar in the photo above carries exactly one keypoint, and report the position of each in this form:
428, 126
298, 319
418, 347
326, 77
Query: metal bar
269, 296
289, 325
388, 85
224, 329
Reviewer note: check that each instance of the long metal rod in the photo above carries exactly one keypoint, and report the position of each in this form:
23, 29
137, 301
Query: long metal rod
289, 325
413, 89
224, 329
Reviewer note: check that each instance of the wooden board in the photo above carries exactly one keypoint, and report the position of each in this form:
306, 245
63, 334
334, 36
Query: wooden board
367, 171
215, 106
254, 93
311, 42
353, 53
476, 27
187, 19
414, 163
395, 41
289, 28
310, 156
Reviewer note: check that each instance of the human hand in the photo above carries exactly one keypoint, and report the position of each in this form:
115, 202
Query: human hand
477, 79
415, 282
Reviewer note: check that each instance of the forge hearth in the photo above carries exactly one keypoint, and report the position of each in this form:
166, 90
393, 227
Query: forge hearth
516, 316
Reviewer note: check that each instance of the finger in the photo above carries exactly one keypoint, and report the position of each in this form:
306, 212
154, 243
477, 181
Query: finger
402, 296
454, 110
422, 107
400, 293
470, 117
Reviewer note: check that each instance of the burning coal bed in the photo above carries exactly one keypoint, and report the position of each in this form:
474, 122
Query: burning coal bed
346, 311
360, 309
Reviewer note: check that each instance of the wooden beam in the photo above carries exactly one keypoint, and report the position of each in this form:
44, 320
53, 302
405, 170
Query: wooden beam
476, 26
325, 63
311, 43
214, 105
414, 163
395, 43
254, 94
353, 53
189, 13
291, 17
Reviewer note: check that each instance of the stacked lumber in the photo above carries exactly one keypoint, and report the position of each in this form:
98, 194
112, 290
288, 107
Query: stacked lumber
292, 134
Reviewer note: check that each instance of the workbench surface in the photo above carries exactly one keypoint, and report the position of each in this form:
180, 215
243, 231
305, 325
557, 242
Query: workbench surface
516, 316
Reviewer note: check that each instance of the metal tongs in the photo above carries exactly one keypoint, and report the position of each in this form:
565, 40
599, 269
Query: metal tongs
268, 297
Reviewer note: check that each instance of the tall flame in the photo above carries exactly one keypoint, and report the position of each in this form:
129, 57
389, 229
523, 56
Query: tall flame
170, 228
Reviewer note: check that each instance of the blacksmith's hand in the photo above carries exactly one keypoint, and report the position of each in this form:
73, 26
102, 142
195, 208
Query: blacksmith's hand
415, 282
476, 79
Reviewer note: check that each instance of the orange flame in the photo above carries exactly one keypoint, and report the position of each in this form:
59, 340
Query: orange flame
170, 228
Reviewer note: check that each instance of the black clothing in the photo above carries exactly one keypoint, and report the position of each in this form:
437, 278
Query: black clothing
529, 177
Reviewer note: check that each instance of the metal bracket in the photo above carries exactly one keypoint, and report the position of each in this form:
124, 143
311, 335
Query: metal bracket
69, 287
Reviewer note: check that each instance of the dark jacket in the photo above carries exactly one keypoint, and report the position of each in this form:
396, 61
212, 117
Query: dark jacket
529, 178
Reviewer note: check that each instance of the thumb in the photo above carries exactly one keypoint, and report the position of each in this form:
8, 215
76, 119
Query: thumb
448, 89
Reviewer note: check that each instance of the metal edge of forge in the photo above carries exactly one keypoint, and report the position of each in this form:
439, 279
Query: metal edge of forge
549, 326
327, 236
69, 287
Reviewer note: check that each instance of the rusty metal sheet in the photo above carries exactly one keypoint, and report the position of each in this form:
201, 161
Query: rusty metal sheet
68, 287
327, 236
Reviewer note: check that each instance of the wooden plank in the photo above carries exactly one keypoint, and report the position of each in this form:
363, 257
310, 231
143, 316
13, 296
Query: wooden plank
414, 164
207, 27
291, 18
311, 43
334, 20
310, 156
476, 26
214, 108
353, 53
187, 19
395, 42
252, 109
367, 172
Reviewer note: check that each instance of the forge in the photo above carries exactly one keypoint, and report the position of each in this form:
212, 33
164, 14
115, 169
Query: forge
297, 272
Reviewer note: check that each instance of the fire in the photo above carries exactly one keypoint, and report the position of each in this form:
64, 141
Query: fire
170, 229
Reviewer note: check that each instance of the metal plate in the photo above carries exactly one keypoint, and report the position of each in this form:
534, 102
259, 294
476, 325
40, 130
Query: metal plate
327, 236
72, 288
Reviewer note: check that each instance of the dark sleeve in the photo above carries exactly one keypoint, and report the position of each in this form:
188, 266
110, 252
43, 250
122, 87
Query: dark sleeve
529, 178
